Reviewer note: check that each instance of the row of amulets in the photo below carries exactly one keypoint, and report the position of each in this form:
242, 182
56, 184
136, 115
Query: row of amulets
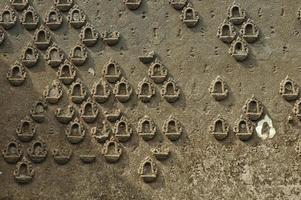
65, 5
24, 171
122, 90
76, 17
146, 128
75, 130
289, 90
88, 113
54, 19
122, 130
54, 55
252, 110
38, 152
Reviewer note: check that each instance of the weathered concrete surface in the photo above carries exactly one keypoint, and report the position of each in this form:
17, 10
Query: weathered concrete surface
199, 167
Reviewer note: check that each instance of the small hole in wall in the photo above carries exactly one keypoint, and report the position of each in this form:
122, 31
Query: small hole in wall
143, 15
272, 29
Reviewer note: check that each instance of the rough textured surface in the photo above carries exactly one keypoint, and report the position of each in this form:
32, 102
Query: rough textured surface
200, 167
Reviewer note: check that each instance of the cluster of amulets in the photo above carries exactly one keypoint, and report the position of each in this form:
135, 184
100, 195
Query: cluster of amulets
115, 128
237, 30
